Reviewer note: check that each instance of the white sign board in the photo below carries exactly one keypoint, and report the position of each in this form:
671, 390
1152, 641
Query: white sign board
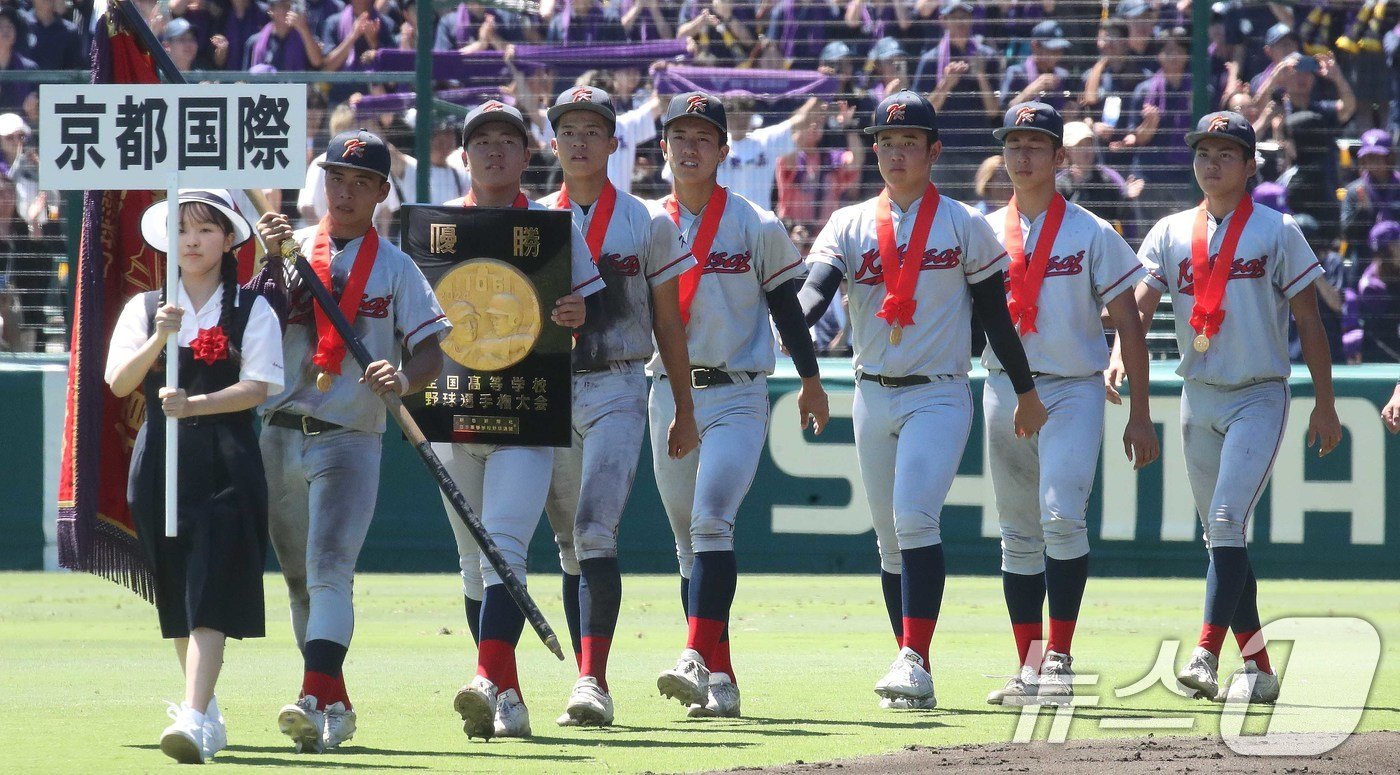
133, 136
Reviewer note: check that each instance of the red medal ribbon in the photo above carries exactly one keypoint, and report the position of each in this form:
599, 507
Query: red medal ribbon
902, 277
700, 247
330, 348
520, 203
1209, 278
1025, 280
602, 216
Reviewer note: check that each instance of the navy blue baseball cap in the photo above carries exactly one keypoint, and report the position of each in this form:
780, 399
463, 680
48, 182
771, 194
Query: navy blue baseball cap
697, 104
1031, 117
1225, 124
905, 110
358, 150
493, 110
1050, 35
589, 98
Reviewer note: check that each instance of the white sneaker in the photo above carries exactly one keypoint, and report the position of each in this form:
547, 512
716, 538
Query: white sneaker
183, 740
688, 681
303, 723
907, 678
340, 725
906, 703
1021, 690
215, 731
1056, 679
1249, 685
1200, 674
476, 704
512, 717
589, 705
722, 700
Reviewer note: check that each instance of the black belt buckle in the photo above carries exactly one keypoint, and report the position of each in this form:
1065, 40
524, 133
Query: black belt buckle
306, 421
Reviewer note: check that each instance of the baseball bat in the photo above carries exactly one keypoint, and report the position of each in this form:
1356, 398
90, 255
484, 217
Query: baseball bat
322, 296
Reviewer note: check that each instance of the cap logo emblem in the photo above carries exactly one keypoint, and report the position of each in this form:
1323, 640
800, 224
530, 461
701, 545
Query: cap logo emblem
355, 147
1025, 116
894, 112
1219, 124
492, 105
697, 104
581, 94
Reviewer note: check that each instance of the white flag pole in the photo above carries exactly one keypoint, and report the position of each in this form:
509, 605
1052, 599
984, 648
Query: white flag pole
172, 353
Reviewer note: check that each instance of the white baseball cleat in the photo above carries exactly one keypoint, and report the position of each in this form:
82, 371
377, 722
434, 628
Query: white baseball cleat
688, 681
1200, 674
589, 705
303, 723
722, 700
512, 717
340, 725
476, 704
183, 740
1249, 685
1056, 679
905, 703
1022, 689
907, 678
215, 731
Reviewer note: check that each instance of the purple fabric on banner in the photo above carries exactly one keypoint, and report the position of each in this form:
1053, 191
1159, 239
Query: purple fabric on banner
743, 83
450, 65
398, 102
491, 65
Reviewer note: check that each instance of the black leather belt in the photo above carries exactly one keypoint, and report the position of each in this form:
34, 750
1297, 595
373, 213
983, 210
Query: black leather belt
894, 382
701, 378
309, 426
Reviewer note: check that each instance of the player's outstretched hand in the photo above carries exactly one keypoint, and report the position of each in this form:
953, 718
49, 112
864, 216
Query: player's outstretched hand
382, 377
1030, 414
569, 311
1140, 442
812, 405
174, 402
273, 228
1113, 378
682, 437
1391, 413
1324, 429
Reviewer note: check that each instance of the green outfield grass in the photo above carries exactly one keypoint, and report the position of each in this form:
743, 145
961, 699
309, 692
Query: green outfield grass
83, 674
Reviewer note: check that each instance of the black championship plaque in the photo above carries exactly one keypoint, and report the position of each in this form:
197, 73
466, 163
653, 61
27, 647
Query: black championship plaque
505, 369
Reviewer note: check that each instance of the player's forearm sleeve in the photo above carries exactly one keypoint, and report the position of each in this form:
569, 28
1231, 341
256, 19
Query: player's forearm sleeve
787, 316
989, 304
818, 291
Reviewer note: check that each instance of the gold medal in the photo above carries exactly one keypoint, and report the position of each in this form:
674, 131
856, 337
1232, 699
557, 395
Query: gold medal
896, 334
324, 380
1201, 343
495, 314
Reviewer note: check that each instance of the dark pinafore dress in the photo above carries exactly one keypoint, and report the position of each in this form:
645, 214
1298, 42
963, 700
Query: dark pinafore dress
211, 575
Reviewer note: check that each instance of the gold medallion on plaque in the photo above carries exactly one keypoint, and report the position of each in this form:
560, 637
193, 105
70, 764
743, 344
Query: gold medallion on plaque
495, 314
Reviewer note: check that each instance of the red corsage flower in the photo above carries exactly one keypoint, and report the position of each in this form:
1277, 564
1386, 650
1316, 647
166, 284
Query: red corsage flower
210, 345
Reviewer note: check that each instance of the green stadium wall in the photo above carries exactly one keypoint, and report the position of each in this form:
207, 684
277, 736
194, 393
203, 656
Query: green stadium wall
1330, 517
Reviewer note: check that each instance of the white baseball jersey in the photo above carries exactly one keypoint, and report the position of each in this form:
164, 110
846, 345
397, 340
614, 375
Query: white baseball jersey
641, 250
1089, 266
751, 255
961, 250
398, 310
751, 167
1273, 262
586, 280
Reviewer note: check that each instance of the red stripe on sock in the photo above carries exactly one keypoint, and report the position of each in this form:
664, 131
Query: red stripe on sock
1027, 635
1061, 635
703, 636
495, 660
1212, 637
327, 689
918, 635
594, 660
721, 663
1261, 656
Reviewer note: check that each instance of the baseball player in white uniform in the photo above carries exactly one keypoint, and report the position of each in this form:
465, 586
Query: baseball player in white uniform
1067, 264
505, 484
748, 270
1235, 269
321, 436
638, 251
912, 336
